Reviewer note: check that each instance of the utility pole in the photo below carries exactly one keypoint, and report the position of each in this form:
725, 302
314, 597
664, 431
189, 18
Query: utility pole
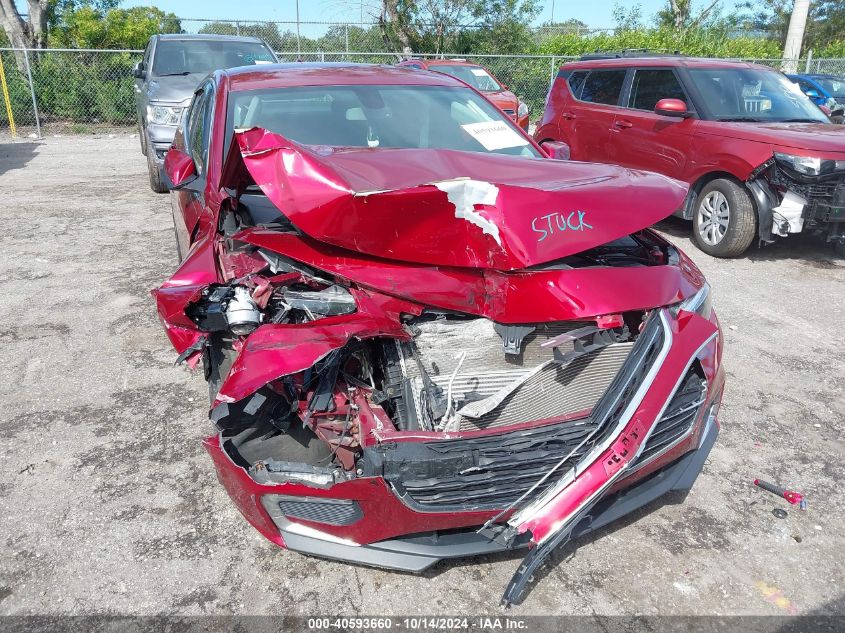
298, 47
795, 35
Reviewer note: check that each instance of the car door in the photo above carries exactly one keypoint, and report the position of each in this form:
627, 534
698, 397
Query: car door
586, 122
645, 140
189, 202
141, 97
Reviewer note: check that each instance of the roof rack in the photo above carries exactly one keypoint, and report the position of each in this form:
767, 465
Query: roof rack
629, 52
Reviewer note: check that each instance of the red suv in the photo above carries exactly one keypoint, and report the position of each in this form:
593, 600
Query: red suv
482, 80
761, 159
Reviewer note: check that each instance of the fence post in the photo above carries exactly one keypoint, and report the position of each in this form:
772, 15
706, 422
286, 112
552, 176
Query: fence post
553, 73
5, 89
32, 92
809, 61
237, 27
346, 34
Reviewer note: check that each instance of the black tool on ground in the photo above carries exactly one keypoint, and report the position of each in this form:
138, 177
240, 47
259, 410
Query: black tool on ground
795, 498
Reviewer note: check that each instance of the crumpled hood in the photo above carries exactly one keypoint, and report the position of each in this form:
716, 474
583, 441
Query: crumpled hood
446, 207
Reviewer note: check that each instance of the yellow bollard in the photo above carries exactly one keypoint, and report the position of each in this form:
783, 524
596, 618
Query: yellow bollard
6, 99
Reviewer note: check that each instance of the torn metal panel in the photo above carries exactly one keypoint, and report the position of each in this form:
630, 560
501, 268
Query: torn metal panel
440, 207
276, 350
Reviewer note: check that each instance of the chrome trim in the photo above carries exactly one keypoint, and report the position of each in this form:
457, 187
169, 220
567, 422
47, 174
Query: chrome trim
634, 469
531, 511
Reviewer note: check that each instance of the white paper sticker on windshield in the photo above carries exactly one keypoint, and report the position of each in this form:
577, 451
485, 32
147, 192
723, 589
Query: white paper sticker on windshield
494, 135
262, 61
478, 72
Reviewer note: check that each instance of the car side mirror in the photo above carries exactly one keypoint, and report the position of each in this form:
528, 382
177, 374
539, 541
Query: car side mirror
138, 71
813, 94
179, 168
672, 107
556, 149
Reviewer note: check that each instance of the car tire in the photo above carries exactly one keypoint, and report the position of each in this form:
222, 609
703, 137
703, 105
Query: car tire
724, 219
156, 181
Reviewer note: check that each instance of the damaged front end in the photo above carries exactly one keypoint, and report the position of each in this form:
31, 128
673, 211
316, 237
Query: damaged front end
799, 193
427, 365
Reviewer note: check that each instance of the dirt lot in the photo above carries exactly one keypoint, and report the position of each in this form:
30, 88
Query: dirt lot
108, 503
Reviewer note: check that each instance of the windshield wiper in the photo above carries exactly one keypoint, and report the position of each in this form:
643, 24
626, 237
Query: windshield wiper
747, 119
182, 74
799, 121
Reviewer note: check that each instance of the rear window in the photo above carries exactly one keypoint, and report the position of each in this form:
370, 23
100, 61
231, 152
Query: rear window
576, 80
603, 86
475, 76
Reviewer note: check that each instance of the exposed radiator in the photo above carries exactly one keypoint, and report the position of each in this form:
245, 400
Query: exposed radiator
552, 391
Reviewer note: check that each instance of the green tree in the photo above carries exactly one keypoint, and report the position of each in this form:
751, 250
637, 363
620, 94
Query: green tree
90, 27
679, 14
825, 23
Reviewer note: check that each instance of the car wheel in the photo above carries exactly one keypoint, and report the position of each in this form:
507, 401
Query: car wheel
724, 220
156, 181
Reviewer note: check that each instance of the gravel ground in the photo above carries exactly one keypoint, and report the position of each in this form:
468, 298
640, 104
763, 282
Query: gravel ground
108, 503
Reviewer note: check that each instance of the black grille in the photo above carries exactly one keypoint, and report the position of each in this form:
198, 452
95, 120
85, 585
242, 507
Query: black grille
493, 471
678, 418
330, 511
489, 472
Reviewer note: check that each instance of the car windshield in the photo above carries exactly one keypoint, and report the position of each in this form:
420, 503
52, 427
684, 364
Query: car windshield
380, 116
183, 57
833, 86
475, 76
752, 94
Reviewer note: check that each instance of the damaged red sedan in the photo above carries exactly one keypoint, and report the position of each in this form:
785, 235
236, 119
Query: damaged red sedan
423, 338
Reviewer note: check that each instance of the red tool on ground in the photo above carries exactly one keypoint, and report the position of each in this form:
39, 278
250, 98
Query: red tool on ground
795, 498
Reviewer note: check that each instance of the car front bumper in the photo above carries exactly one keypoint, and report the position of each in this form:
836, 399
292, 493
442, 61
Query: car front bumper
160, 138
417, 552
381, 528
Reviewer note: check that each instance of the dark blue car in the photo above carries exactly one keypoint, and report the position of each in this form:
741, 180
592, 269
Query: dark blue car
826, 90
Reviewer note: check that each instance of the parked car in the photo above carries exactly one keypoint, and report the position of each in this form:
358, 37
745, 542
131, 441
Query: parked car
424, 339
168, 74
826, 91
479, 78
761, 160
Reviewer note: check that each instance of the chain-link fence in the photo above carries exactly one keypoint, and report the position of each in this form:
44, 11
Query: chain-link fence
82, 91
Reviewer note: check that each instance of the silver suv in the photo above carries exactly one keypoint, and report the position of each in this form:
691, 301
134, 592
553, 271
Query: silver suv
166, 78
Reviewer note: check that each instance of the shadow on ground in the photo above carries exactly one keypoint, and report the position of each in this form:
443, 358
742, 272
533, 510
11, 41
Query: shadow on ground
15, 155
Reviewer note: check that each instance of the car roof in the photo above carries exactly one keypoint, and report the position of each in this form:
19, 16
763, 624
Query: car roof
658, 60
330, 74
208, 36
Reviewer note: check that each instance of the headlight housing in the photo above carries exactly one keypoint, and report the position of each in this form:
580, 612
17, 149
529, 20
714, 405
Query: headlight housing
164, 115
809, 165
522, 110
701, 303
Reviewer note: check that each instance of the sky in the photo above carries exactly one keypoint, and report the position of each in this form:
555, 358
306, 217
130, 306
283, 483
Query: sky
594, 14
